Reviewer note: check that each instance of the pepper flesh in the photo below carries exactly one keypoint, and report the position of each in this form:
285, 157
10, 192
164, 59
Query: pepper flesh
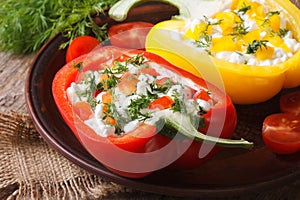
243, 83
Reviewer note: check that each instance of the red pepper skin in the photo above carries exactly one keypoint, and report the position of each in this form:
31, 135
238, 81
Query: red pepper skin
95, 144
190, 158
116, 150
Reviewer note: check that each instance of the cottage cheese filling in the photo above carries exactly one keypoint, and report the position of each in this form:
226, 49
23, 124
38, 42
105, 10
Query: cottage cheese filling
126, 92
247, 32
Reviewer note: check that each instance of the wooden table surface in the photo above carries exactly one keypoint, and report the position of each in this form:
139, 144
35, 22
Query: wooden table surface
13, 72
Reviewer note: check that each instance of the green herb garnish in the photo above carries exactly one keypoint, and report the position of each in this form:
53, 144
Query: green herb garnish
138, 60
204, 38
283, 32
255, 45
26, 25
136, 105
239, 26
178, 105
244, 9
78, 65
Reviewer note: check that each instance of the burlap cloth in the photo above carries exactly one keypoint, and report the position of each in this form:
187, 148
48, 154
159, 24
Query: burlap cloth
30, 169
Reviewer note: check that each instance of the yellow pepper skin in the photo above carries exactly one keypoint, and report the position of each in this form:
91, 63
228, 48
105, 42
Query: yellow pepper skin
243, 83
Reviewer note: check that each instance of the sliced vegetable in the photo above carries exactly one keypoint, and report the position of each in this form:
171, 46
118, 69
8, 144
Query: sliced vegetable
81, 45
281, 133
244, 83
290, 103
161, 103
130, 35
126, 152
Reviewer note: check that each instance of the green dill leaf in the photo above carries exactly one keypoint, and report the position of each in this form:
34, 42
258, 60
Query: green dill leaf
136, 105
255, 45
239, 29
283, 32
268, 15
26, 25
205, 39
138, 60
178, 105
109, 83
161, 89
271, 13
77, 65
244, 9
120, 67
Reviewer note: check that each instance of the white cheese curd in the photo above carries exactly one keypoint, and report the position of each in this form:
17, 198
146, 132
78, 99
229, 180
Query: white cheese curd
131, 68
99, 127
191, 107
99, 107
98, 110
237, 58
152, 120
251, 61
249, 23
205, 105
175, 89
144, 84
71, 92
241, 29
206, 8
133, 109
165, 72
122, 101
293, 45
131, 126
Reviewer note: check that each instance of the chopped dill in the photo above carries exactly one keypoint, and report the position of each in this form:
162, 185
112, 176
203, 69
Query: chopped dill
255, 45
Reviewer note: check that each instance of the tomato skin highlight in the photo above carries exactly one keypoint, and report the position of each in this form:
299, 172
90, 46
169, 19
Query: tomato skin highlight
131, 35
161, 103
139, 139
81, 45
290, 103
281, 133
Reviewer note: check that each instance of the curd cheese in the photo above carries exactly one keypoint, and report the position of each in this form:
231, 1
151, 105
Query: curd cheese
126, 94
247, 32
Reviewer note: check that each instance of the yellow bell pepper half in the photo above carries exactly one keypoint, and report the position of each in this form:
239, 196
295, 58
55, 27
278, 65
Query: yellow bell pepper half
245, 84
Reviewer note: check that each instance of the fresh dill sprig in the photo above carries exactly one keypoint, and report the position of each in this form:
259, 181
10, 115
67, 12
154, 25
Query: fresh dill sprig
243, 10
26, 25
136, 105
178, 105
138, 60
239, 27
269, 15
255, 45
205, 39
78, 65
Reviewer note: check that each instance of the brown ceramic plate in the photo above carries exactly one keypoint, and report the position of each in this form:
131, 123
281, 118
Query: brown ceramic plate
231, 172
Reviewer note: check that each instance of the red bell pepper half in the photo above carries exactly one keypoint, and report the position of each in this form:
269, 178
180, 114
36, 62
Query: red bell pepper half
147, 148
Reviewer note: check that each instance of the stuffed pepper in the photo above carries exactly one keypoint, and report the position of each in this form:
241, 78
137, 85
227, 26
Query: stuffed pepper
253, 44
137, 113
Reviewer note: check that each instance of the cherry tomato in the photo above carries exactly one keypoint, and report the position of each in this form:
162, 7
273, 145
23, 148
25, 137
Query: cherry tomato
131, 35
81, 45
281, 133
290, 103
